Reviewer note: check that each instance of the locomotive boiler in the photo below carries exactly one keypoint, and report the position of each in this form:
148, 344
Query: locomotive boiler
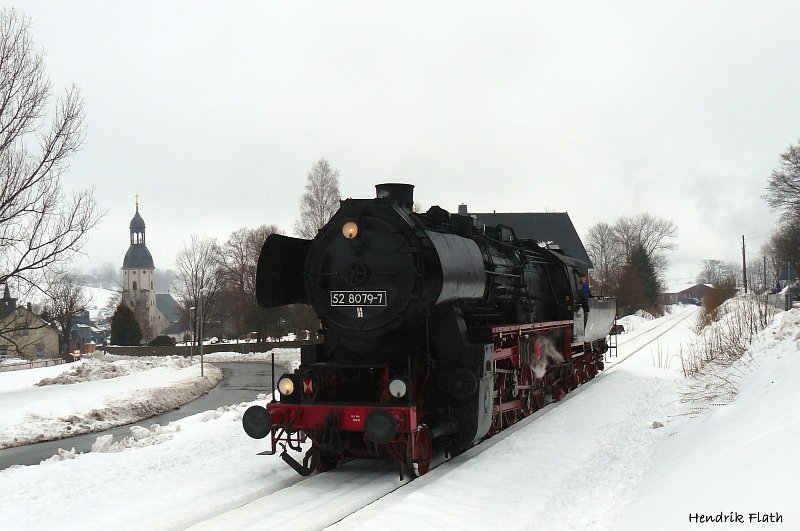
436, 333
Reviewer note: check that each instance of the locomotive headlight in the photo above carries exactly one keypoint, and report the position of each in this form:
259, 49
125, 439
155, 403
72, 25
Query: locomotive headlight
398, 388
286, 386
350, 230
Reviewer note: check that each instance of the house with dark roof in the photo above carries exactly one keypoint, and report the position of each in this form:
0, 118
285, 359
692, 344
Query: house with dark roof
691, 293
544, 227
24, 334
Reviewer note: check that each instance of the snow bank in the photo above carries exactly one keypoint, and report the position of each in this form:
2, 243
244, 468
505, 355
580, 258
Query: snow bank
107, 394
285, 357
633, 322
737, 459
99, 368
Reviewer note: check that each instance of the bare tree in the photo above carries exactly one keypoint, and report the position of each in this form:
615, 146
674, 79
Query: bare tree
646, 231
41, 226
66, 299
320, 201
239, 261
199, 282
785, 245
107, 312
783, 186
607, 255
773, 264
718, 273
612, 246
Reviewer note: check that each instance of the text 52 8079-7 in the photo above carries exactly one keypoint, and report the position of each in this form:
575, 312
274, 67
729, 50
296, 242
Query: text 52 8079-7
358, 298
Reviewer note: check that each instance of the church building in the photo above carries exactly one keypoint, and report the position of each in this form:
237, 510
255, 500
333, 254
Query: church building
138, 282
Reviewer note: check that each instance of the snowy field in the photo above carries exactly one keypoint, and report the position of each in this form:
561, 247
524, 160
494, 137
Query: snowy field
620, 453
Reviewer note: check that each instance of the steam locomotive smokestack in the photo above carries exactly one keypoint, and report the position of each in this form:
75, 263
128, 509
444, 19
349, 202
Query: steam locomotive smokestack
402, 194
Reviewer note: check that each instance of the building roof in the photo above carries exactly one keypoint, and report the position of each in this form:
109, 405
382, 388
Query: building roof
544, 227
674, 289
175, 329
138, 257
168, 307
7, 304
137, 223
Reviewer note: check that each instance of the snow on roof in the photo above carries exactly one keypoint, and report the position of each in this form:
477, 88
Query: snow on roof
683, 286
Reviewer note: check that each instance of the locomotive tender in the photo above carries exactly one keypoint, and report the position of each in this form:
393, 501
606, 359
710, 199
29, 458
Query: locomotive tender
437, 333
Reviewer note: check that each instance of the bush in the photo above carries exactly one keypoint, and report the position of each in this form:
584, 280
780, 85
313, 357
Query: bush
709, 311
721, 344
162, 341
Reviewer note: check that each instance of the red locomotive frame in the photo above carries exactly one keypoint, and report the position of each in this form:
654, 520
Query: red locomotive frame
519, 351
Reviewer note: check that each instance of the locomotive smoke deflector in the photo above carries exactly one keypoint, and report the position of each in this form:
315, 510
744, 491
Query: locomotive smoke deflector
402, 194
462, 267
279, 276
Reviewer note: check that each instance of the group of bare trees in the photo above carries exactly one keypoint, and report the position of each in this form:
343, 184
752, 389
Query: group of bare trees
718, 273
219, 280
215, 282
628, 257
42, 225
783, 195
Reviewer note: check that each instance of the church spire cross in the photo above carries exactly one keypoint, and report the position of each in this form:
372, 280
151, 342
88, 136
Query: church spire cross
137, 203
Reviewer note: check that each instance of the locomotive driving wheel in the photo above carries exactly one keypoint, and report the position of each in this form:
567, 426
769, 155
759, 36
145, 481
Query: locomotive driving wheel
529, 404
418, 452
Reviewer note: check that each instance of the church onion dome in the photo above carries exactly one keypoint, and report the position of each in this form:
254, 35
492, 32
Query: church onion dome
137, 223
138, 257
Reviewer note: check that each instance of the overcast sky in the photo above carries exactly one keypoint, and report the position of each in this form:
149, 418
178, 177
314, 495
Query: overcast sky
213, 112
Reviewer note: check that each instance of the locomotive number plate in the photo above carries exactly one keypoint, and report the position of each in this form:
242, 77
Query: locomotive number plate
358, 298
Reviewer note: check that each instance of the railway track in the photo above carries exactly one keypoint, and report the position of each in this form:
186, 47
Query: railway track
323, 500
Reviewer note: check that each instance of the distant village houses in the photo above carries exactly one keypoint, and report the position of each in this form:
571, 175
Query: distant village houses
23, 334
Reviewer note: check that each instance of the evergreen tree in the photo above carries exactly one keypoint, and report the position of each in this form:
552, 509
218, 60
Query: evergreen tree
125, 330
639, 284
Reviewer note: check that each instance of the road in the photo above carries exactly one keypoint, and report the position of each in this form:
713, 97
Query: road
241, 382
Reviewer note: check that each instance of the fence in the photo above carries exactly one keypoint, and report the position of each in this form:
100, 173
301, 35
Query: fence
781, 302
17, 366
243, 348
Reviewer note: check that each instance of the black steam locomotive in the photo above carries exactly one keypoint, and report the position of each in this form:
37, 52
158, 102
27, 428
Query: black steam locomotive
437, 332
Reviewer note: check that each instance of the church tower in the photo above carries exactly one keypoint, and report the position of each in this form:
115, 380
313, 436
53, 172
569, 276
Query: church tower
138, 279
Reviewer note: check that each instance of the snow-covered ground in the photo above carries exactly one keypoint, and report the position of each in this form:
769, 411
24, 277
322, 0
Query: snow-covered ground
620, 453
106, 391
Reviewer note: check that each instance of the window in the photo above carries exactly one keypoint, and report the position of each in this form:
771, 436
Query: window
134, 285
39, 351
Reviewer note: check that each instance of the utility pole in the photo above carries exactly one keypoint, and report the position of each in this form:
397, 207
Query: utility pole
765, 275
744, 266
